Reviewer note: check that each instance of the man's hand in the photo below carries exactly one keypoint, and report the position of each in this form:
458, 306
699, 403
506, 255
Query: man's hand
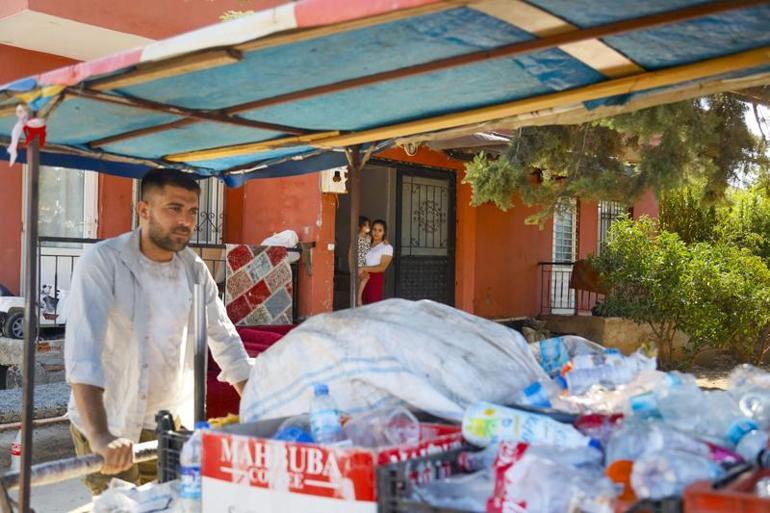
118, 453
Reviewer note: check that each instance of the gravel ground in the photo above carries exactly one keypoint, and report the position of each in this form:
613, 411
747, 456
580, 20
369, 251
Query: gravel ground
50, 401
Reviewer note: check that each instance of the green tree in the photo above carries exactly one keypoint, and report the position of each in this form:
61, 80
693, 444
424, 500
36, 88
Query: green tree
619, 158
683, 211
745, 222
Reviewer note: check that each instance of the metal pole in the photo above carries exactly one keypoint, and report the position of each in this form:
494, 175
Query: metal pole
30, 323
354, 189
201, 352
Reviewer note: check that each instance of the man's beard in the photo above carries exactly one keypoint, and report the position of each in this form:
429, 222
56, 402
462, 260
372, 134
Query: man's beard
165, 240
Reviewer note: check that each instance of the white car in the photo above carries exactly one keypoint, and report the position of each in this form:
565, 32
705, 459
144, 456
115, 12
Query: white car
12, 312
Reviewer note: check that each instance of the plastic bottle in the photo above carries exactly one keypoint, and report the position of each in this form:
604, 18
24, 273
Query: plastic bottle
636, 438
553, 355
401, 427
479, 460
537, 395
325, 423
749, 375
295, 429
579, 381
666, 473
486, 423
190, 472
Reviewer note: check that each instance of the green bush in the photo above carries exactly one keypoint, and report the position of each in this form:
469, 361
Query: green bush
643, 273
718, 294
728, 300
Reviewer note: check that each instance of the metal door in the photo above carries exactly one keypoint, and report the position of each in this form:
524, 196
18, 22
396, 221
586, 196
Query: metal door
425, 236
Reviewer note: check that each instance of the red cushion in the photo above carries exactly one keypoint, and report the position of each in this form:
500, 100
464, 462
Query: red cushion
221, 398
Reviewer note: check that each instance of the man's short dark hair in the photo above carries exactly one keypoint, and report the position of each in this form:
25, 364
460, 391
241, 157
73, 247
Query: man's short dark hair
159, 178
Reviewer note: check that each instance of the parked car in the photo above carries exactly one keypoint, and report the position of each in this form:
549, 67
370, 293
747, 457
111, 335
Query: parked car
12, 311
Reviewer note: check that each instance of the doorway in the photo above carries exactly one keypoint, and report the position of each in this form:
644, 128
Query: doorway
418, 205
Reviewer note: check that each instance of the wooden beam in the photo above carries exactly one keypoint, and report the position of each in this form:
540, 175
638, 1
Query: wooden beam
248, 148
189, 117
507, 51
666, 77
148, 72
315, 33
594, 52
8, 110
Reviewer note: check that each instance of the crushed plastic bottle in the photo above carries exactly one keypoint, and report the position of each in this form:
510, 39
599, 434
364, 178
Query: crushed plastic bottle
532, 476
465, 492
382, 428
666, 473
295, 429
325, 423
635, 438
750, 386
486, 423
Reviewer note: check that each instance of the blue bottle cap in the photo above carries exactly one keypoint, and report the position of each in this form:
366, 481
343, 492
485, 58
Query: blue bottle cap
596, 444
202, 424
561, 381
533, 389
612, 350
321, 389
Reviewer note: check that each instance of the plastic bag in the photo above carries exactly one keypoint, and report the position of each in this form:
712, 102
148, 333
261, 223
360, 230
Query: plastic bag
284, 239
430, 356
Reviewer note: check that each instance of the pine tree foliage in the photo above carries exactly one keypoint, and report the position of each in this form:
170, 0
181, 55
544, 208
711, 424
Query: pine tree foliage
619, 158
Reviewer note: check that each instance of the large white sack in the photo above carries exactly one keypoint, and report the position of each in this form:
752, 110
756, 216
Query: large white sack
430, 356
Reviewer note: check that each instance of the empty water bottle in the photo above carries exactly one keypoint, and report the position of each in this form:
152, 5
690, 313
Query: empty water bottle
537, 395
190, 472
325, 422
666, 473
579, 381
485, 423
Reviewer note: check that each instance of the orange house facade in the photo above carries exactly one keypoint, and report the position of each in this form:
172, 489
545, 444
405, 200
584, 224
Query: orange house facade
479, 259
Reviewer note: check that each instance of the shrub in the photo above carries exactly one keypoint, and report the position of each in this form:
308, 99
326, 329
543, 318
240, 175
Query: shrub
643, 272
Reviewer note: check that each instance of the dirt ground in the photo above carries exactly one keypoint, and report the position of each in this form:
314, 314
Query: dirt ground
715, 372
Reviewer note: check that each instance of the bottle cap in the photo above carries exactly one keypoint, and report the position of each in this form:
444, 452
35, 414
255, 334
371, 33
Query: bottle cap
202, 425
561, 381
596, 444
321, 389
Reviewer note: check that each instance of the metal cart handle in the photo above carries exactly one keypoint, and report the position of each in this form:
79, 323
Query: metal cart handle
70, 468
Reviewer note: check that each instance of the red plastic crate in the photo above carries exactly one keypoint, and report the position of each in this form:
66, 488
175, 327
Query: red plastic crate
737, 497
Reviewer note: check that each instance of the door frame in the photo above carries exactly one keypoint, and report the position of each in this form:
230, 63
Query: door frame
440, 174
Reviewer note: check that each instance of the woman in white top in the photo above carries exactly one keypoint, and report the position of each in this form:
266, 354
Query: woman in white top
377, 261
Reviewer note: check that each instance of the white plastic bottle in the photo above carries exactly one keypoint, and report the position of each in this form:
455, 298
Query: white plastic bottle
325, 423
486, 423
190, 472
666, 473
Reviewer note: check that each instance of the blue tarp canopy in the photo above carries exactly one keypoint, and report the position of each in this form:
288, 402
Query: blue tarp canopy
284, 91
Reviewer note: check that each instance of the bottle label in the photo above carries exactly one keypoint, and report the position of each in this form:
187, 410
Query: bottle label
326, 426
190, 483
553, 355
739, 429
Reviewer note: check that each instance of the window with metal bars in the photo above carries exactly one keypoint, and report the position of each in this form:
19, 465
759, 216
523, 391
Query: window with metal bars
609, 212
